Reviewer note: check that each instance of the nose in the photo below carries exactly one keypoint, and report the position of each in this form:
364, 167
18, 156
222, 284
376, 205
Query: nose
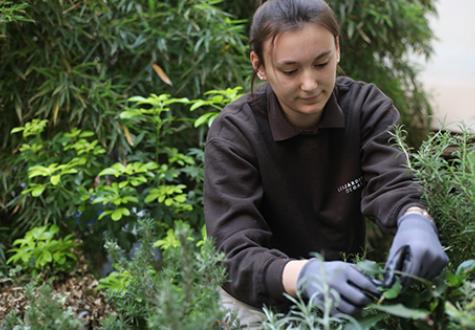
309, 82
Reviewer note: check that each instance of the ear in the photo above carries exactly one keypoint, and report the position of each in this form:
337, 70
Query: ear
337, 45
257, 65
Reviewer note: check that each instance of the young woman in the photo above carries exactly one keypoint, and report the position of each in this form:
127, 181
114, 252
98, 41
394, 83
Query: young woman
293, 168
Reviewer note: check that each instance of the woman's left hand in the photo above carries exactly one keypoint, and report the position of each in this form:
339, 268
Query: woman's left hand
426, 257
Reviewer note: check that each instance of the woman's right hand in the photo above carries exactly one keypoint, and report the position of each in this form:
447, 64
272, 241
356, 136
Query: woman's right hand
355, 289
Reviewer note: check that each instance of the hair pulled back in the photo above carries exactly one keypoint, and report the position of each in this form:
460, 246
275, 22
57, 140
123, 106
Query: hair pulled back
276, 16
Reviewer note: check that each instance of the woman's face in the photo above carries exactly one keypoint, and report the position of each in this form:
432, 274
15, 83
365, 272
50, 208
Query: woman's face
301, 67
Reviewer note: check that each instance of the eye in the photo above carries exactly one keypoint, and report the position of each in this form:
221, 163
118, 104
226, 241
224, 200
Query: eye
289, 72
321, 65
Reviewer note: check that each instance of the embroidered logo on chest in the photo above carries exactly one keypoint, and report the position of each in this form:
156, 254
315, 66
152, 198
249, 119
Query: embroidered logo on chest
351, 186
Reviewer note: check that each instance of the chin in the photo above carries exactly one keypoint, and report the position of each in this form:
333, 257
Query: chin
310, 110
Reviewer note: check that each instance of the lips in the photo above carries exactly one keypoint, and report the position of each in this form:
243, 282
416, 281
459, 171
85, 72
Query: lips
311, 98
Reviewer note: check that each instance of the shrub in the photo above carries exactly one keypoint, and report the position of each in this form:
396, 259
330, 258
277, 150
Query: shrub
68, 179
40, 252
176, 292
52, 174
106, 52
445, 166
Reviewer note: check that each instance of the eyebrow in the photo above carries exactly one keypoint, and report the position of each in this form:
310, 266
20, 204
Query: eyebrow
319, 57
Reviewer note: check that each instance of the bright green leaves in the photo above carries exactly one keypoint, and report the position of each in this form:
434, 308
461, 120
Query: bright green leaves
171, 196
116, 282
126, 192
137, 169
216, 100
39, 249
150, 122
393, 292
156, 176
117, 195
79, 145
33, 128
53, 171
168, 242
35, 189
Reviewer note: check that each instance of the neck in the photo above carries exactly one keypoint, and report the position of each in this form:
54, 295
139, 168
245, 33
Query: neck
303, 121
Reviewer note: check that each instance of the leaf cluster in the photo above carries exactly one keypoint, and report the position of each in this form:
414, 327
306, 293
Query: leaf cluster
52, 174
75, 63
68, 176
39, 252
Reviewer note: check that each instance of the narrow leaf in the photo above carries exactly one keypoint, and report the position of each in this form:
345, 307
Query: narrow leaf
163, 76
401, 311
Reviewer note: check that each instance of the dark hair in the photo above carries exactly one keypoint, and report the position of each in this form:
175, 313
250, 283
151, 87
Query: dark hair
276, 16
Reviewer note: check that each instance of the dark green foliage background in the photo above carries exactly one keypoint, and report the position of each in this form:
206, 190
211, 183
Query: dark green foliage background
75, 63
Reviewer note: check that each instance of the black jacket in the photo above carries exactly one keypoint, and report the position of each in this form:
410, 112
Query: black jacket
275, 193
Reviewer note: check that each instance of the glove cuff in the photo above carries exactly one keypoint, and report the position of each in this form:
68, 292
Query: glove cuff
304, 272
416, 220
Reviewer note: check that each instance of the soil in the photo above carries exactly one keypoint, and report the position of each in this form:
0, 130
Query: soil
77, 289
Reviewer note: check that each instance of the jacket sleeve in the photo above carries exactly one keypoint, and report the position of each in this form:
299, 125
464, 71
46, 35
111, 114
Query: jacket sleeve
390, 187
233, 196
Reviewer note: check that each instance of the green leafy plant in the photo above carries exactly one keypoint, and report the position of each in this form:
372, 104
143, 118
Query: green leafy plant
216, 100
41, 252
116, 282
130, 48
11, 12
55, 174
176, 292
69, 179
